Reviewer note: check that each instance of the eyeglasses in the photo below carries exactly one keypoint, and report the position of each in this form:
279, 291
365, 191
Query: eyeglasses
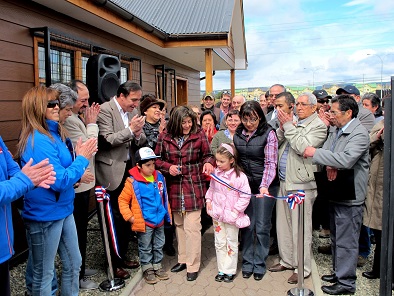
323, 101
335, 113
303, 105
53, 104
251, 120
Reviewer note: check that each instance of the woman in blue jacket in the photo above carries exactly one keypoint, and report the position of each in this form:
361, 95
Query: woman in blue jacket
15, 182
47, 213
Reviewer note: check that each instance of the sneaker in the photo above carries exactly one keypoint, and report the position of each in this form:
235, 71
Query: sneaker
361, 261
150, 277
86, 284
90, 272
161, 274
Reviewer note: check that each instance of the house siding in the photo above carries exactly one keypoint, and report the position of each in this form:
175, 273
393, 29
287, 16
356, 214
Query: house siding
17, 59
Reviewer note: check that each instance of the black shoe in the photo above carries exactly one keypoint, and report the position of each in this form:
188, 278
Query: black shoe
246, 274
273, 250
178, 267
336, 289
370, 275
258, 276
191, 276
228, 278
169, 250
331, 278
219, 277
326, 249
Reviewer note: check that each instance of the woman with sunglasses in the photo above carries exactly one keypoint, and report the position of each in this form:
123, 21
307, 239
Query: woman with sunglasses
47, 213
257, 146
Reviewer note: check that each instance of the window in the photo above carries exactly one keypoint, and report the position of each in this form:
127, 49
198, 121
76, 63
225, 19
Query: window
69, 58
61, 65
124, 72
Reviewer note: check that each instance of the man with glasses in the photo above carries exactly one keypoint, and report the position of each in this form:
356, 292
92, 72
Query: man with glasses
120, 135
296, 173
273, 92
347, 147
367, 119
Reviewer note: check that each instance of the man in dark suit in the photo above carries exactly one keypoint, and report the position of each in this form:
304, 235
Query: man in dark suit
120, 135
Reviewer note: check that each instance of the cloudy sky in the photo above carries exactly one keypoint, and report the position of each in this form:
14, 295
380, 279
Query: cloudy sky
306, 42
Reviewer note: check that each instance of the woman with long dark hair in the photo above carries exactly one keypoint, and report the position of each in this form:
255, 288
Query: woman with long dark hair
257, 146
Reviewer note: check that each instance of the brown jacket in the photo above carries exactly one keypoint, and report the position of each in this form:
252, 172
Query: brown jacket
374, 202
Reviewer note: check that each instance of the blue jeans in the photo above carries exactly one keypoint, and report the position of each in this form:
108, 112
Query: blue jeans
256, 237
47, 239
150, 247
29, 274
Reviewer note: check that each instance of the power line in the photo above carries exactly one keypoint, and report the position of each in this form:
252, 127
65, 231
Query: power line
362, 17
318, 38
366, 46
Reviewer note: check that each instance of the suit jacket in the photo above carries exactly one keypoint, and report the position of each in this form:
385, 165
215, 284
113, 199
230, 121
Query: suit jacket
299, 170
351, 151
77, 129
116, 145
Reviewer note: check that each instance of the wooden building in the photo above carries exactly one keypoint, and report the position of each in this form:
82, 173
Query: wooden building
161, 44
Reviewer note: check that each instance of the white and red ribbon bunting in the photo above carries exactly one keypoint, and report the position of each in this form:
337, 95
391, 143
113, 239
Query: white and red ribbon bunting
101, 195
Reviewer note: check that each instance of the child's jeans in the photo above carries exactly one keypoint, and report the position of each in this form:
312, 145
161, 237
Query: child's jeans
150, 247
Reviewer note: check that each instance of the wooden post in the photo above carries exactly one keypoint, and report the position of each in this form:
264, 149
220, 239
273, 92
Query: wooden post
232, 82
208, 70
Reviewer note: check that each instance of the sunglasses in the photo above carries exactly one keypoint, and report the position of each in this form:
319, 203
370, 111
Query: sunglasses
208, 99
322, 101
53, 104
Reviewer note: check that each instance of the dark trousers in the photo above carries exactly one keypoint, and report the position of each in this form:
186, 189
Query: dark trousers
364, 241
345, 224
81, 211
320, 214
378, 247
4, 279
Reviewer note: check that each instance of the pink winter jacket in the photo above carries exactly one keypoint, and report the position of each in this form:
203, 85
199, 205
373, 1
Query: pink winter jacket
224, 200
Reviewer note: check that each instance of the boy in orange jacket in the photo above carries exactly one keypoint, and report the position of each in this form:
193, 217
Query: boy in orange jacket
144, 203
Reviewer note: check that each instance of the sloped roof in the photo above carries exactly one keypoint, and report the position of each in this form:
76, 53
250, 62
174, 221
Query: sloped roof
182, 17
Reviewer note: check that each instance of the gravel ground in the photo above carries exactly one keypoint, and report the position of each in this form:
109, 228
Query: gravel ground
365, 287
96, 259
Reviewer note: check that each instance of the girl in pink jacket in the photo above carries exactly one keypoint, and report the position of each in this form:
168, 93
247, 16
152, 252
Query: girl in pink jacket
226, 207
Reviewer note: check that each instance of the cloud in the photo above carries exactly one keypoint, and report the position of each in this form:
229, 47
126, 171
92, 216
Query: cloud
313, 42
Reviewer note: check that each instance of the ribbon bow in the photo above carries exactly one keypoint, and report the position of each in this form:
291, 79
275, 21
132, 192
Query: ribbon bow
294, 199
101, 195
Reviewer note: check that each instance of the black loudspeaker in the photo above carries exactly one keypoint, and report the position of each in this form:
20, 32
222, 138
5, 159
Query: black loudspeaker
102, 77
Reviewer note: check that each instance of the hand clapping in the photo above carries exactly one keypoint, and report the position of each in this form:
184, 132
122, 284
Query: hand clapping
41, 174
86, 149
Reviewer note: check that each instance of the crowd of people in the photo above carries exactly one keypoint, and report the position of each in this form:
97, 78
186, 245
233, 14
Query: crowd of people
229, 164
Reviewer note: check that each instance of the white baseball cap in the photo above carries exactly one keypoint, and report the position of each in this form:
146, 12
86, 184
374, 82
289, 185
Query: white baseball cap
145, 153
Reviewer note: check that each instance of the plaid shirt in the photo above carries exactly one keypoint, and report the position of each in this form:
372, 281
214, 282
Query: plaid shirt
192, 156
